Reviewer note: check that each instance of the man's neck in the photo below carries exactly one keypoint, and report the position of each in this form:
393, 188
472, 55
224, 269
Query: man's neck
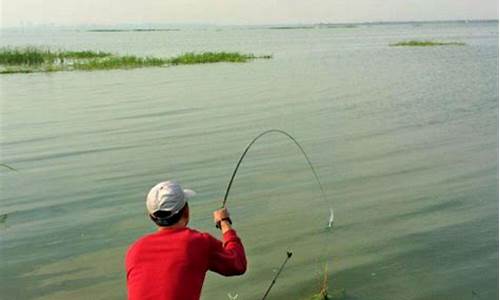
175, 226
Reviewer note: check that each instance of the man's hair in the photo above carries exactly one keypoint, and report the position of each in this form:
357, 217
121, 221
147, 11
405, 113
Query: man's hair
166, 218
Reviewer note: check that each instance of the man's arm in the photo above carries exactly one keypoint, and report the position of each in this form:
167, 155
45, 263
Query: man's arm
228, 257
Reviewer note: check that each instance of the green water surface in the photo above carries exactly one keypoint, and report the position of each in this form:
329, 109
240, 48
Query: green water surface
404, 139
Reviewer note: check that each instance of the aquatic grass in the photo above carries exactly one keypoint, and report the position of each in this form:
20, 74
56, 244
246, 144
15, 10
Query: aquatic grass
14, 70
83, 54
31, 60
119, 62
126, 62
32, 56
24, 56
212, 57
415, 43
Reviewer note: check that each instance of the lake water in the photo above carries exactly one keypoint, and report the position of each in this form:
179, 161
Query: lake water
404, 139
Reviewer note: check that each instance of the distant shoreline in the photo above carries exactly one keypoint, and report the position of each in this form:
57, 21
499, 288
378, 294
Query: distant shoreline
149, 27
132, 30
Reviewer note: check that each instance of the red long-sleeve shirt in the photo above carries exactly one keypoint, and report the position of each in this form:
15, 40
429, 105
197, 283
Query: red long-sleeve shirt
171, 264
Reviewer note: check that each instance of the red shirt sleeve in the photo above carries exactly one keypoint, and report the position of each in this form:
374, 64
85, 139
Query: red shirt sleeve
227, 258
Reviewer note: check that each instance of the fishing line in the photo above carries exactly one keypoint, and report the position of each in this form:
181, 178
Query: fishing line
316, 177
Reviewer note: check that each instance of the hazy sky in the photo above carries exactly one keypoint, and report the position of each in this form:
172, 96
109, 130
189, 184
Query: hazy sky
104, 12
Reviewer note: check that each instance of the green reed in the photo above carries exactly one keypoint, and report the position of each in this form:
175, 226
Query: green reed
119, 62
31, 59
212, 57
33, 56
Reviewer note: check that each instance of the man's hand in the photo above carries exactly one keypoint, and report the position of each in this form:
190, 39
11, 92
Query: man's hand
222, 215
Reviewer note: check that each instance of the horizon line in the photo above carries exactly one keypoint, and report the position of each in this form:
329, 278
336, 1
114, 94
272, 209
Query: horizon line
29, 24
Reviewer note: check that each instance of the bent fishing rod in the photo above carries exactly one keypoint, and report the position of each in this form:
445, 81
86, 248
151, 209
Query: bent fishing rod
282, 132
235, 171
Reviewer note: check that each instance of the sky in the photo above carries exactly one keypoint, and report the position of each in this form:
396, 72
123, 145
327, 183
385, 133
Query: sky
238, 12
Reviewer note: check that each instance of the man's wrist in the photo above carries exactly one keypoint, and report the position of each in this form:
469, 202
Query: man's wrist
223, 220
225, 225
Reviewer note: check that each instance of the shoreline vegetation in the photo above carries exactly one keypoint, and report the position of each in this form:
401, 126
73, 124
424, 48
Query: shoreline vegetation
34, 60
415, 43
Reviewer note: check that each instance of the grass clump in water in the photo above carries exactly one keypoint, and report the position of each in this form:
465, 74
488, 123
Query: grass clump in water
212, 57
119, 62
83, 54
30, 60
24, 56
31, 56
415, 43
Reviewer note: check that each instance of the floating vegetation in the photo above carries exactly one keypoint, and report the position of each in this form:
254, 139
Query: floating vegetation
414, 43
131, 30
36, 56
119, 62
213, 57
31, 60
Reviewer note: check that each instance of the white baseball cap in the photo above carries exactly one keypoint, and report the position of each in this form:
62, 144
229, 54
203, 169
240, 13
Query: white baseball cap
167, 196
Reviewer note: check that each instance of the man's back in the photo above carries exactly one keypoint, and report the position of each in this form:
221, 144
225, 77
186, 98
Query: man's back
171, 263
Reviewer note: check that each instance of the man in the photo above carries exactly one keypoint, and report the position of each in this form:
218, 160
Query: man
171, 263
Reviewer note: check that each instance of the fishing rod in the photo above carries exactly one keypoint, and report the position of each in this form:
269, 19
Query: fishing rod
288, 256
230, 184
235, 171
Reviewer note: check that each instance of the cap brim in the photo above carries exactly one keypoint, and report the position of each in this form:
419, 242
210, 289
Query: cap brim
189, 193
